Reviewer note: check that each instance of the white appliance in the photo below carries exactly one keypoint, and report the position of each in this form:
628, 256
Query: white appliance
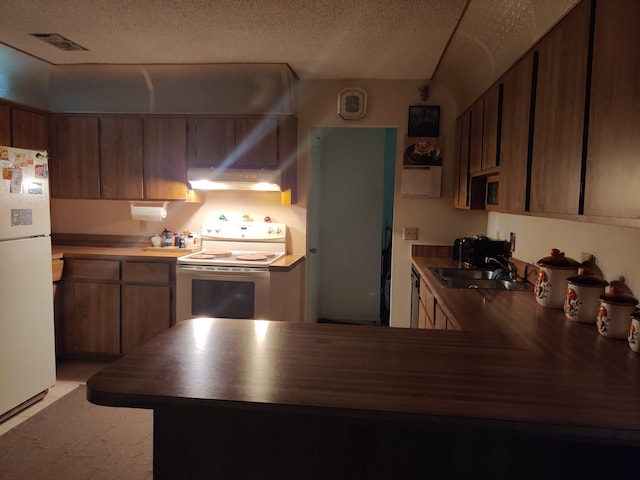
229, 277
27, 344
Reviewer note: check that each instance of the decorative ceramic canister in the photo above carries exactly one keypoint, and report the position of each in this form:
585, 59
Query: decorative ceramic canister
634, 332
614, 314
583, 296
551, 285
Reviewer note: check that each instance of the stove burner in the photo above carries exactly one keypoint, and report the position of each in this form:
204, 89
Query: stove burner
253, 257
211, 255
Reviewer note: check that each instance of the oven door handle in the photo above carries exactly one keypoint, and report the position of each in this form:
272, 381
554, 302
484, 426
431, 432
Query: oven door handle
245, 276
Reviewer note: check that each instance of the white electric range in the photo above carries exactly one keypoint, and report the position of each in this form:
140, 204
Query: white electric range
229, 277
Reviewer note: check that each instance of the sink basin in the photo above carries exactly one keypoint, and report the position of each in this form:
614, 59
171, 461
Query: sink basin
474, 273
477, 278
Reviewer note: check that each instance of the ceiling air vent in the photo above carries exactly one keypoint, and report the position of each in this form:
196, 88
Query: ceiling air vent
59, 41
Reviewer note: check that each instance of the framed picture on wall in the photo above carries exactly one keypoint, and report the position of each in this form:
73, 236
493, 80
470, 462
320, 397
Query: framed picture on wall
424, 121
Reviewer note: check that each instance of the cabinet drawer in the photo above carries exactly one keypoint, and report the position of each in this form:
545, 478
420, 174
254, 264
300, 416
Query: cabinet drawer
146, 272
94, 269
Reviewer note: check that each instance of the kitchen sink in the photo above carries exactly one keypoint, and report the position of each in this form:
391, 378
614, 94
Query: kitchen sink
477, 278
473, 273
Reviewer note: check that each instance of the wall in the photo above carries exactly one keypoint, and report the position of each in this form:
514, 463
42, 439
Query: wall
113, 217
24, 79
615, 248
388, 100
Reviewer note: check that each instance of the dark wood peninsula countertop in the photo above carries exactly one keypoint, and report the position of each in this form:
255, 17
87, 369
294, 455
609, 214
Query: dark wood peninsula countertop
524, 366
572, 375
517, 386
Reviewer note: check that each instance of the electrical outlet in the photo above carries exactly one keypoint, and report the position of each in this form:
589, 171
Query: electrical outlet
410, 233
587, 258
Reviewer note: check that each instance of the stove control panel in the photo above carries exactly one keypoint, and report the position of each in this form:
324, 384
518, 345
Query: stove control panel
246, 231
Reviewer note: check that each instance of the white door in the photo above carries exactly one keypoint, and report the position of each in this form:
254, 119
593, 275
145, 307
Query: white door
345, 223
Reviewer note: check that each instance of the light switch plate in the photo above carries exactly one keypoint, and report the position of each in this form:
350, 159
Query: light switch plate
410, 233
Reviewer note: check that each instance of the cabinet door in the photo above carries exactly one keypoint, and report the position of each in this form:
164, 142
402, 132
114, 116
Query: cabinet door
121, 158
491, 120
559, 114
74, 162
475, 136
211, 141
5, 124
28, 129
288, 154
461, 176
165, 158
514, 137
146, 312
613, 168
428, 302
92, 318
423, 318
256, 142
440, 320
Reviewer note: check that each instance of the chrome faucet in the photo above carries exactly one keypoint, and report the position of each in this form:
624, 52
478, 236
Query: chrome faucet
505, 264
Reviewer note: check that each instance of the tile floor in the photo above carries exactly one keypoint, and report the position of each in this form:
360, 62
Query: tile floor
69, 375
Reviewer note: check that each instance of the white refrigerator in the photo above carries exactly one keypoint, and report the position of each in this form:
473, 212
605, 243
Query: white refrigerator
27, 344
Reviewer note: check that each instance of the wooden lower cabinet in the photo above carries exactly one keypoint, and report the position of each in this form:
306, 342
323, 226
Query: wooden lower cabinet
287, 294
113, 306
440, 320
146, 312
426, 311
431, 315
94, 314
423, 317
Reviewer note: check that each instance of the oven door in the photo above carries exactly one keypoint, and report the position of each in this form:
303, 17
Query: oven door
205, 292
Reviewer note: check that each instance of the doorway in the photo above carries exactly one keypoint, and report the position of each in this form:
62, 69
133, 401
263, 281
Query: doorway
350, 218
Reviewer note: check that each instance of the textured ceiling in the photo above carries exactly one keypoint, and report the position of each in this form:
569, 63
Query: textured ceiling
387, 39
319, 39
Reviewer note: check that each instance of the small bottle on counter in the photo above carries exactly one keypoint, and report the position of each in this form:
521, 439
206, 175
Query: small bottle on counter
168, 238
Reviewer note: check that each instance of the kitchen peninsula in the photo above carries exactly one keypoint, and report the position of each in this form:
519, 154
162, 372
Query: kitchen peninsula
518, 392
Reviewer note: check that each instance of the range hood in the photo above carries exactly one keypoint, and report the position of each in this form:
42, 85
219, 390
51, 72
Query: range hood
234, 179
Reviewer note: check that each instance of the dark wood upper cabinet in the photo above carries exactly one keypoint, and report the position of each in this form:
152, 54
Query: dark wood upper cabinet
461, 176
74, 157
491, 116
211, 141
475, 136
256, 142
613, 167
23, 127
559, 114
165, 158
28, 129
121, 158
5, 124
514, 138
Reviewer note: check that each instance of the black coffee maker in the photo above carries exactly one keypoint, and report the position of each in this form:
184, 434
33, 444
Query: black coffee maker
473, 251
